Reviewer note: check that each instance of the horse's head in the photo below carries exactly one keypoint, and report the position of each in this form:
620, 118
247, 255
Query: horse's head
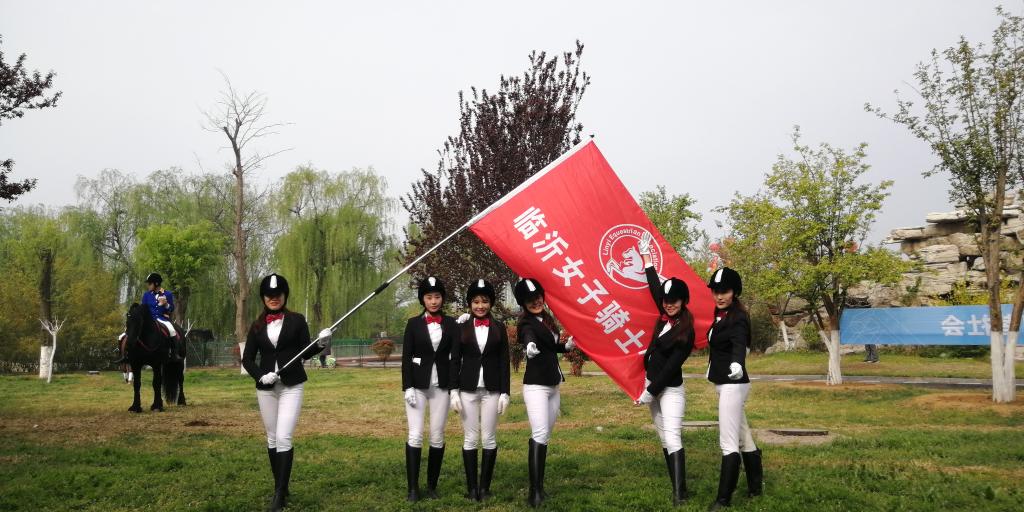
134, 322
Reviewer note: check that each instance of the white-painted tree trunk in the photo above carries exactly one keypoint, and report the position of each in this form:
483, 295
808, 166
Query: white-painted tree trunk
785, 335
45, 359
241, 350
53, 351
835, 372
1009, 372
1004, 387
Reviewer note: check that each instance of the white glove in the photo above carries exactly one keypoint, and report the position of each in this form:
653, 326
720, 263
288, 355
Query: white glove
502, 403
462, 319
531, 350
324, 337
268, 379
644, 247
570, 343
735, 371
645, 398
456, 400
410, 397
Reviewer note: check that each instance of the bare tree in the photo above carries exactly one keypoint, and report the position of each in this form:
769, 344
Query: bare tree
239, 116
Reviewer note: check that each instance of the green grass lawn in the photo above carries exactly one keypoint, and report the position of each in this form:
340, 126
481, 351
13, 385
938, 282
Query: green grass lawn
891, 365
70, 445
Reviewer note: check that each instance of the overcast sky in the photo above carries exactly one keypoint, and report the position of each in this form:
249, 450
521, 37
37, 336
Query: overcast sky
697, 96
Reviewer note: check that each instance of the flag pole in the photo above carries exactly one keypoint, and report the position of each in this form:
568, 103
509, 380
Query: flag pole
529, 181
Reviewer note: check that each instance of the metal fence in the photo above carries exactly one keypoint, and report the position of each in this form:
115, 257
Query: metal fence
346, 352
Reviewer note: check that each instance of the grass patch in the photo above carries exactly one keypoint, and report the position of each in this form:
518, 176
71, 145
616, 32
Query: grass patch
72, 446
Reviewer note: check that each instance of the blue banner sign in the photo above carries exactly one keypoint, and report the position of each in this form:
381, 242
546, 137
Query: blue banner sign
947, 325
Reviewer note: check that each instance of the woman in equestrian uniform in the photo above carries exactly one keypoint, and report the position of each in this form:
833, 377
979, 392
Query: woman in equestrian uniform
538, 332
671, 344
426, 358
277, 336
729, 339
480, 385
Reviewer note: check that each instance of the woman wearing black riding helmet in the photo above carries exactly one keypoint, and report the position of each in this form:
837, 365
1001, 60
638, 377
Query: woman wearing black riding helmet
538, 332
671, 343
426, 359
480, 384
729, 342
277, 336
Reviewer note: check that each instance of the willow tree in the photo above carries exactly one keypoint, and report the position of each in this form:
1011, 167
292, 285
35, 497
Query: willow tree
335, 245
504, 138
972, 117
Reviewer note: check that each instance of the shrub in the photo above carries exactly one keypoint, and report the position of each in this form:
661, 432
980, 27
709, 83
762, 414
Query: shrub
383, 348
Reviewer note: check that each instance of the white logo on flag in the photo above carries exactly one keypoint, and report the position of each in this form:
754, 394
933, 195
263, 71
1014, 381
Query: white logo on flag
620, 256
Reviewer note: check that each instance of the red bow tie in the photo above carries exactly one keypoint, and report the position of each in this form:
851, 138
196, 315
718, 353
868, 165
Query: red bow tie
431, 319
666, 318
274, 316
481, 322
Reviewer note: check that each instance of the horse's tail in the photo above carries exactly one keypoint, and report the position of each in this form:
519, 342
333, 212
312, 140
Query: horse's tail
172, 373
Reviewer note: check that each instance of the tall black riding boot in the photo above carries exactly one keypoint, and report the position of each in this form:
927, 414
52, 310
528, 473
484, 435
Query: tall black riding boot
668, 462
538, 458
412, 471
677, 469
755, 474
727, 481
472, 483
284, 473
487, 461
272, 455
434, 459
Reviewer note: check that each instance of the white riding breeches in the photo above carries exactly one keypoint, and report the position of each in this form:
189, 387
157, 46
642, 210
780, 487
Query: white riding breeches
667, 413
436, 399
169, 326
280, 408
479, 412
542, 404
733, 432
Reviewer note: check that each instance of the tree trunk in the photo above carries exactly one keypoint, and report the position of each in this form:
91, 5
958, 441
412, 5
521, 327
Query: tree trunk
180, 314
1009, 372
785, 335
998, 371
831, 341
53, 352
241, 273
45, 311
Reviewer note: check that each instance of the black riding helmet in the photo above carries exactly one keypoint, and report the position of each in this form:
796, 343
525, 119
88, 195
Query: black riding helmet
480, 287
274, 285
526, 290
154, 278
674, 289
724, 279
431, 284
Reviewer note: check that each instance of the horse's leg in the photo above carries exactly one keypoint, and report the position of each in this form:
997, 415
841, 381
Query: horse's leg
136, 369
158, 401
181, 385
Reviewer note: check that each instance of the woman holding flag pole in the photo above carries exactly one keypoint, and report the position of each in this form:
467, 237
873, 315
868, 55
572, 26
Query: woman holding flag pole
480, 385
729, 339
426, 358
663, 362
539, 334
277, 336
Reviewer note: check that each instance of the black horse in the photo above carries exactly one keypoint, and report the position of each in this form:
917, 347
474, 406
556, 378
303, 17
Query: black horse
147, 345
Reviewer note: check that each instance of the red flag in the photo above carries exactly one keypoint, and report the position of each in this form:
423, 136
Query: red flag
574, 227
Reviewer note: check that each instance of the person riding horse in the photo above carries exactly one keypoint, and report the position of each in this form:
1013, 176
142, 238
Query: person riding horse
160, 303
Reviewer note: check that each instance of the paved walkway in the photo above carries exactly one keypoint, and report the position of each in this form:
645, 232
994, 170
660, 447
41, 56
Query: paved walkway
931, 382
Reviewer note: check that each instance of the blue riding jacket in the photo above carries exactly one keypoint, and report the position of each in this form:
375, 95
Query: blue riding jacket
155, 309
